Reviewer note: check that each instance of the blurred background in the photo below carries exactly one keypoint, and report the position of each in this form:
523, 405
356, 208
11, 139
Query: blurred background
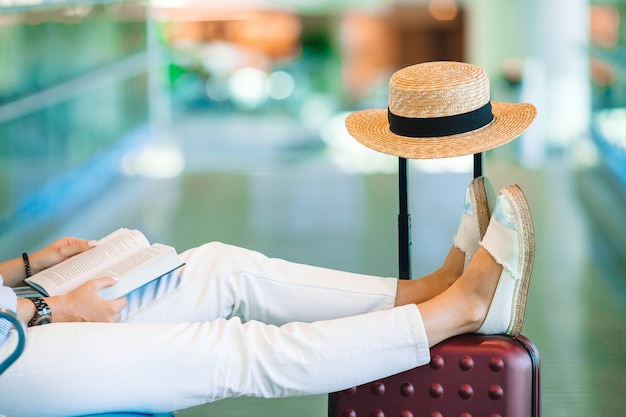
209, 120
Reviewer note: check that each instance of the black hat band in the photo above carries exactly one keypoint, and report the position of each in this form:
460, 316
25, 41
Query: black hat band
440, 126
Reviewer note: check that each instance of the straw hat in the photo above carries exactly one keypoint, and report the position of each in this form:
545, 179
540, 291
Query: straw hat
440, 110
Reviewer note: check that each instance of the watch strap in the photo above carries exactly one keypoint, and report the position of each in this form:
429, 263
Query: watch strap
43, 313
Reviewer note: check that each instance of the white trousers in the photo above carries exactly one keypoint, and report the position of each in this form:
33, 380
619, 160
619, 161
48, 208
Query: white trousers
232, 322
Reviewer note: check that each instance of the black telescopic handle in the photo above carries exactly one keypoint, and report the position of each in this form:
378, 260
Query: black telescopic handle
478, 165
404, 222
404, 217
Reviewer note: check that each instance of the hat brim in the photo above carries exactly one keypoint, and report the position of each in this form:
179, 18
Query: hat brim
371, 128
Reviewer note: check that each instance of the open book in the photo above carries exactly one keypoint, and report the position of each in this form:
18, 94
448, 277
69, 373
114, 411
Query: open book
125, 254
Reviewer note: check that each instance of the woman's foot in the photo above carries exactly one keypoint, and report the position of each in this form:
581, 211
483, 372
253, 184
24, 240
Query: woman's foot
479, 203
490, 296
477, 208
480, 199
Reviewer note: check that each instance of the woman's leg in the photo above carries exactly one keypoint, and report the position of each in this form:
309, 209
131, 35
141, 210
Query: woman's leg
463, 307
86, 368
423, 289
223, 281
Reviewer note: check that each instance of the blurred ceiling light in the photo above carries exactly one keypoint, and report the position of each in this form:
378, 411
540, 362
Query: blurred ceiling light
513, 69
77, 11
317, 6
154, 161
611, 126
231, 4
280, 85
222, 58
317, 109
208, 10
443, 9
247, 87
348, 154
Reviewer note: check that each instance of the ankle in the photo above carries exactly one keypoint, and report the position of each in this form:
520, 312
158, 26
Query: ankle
477, 312
480, 282
471, 311
451, 269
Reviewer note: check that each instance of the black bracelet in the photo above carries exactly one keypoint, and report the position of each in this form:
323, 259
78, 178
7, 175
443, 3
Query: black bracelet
26, 264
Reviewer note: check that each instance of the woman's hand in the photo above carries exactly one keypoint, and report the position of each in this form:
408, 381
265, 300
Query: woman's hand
85, 304
58, 251
13, 271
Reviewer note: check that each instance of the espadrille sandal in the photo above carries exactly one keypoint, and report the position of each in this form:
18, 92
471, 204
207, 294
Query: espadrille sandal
510, 239
479, 203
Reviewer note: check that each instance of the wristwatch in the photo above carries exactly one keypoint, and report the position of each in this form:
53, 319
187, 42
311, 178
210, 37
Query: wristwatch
43, 314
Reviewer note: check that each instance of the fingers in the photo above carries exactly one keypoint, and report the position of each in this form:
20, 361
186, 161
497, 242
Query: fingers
70, 246
59, 251
85, 304
111, 311
105, 282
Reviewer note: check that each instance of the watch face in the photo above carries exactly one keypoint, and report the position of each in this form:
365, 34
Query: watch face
43, 314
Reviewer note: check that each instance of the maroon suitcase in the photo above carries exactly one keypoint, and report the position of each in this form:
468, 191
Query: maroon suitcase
468, 376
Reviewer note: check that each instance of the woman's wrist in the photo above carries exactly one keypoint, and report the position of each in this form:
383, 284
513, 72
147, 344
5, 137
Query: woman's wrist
26, 309
37, 262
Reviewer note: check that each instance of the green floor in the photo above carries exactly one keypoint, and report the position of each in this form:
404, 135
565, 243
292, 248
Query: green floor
296, 203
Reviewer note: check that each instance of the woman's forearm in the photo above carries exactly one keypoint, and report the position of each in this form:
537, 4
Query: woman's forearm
13, 272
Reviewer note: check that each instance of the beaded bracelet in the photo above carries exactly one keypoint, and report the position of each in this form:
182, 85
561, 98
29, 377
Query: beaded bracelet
26, 264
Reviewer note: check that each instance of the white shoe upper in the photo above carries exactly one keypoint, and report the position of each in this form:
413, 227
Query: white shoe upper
479, 203
510, 240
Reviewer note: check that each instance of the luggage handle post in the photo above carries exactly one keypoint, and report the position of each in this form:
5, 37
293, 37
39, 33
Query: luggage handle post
404, 217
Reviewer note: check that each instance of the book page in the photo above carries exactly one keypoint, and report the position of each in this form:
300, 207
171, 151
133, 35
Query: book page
141, 268
80, 268
137, 260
